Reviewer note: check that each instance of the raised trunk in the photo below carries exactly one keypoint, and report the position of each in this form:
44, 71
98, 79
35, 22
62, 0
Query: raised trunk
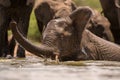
41, 51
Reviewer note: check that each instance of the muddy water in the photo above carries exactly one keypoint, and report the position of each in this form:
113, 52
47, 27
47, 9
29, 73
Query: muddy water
33, 68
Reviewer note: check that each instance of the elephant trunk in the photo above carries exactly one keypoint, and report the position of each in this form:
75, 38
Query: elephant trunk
108, 36
40, 51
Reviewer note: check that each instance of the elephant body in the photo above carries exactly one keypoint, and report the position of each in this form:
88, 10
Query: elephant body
20, 11
46, 10
96, 48
100, 26
111, 10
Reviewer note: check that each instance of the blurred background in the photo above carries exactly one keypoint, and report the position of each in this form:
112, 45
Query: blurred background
34, 34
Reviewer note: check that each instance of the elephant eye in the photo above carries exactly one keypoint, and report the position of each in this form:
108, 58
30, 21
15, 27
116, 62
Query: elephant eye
62, 24
51, 31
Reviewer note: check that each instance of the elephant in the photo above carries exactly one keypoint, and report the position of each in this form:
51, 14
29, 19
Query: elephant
20, 11
56, 37
111, 10
46, 10
68, 39
100, 26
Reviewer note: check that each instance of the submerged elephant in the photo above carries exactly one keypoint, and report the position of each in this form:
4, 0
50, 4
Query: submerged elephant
46, 10
20, 11
100, 26
111, 10
60, 35
68, 39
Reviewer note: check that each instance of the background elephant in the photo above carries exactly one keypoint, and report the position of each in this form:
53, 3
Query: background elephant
46, 10
111, 10
100, 26
20, 11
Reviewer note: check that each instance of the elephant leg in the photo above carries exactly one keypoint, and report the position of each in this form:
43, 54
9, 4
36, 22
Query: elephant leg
4, 41
6, 50
20, 50
12, 44
4, 23
23, 24
116, 35
117, 31
23, 29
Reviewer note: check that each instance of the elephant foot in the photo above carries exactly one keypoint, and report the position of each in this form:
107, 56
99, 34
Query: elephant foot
45, 60
20, 53
57, 57
0, 55
8, 57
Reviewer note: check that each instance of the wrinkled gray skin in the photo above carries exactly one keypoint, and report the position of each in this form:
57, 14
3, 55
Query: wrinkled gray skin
20, 11
68, 38
100, 26
96, 48
61, 36
111, 10
46, 10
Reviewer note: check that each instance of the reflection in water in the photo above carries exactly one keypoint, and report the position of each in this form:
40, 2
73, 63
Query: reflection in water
32, 68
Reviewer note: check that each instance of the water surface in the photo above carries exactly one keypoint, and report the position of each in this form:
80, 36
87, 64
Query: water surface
33, 68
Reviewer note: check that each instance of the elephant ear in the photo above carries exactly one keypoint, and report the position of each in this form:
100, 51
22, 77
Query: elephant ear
80, 17
5, 3
73, 6
43, 10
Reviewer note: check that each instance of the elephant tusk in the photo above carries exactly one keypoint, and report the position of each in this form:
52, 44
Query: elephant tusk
57, 57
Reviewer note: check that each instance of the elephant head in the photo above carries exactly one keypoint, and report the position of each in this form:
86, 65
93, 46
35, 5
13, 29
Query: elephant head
100, 26
61, 37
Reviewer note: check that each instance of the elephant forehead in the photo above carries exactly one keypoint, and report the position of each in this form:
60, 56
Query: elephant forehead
58, 24
65, 19
53, 26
